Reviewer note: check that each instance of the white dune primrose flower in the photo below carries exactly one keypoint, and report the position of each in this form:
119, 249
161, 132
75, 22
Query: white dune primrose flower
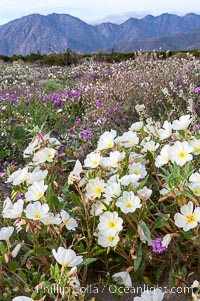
110, 223
150, 146
113, 160
37, 175
138, 169
151, 295
180, 152
19, 176
123, 277
128, 139
111, 191
70, 222
75, 173
130, 179
195, 187
95, 188
166, 240
195, 143
163, 158
6, 232
106, 140
92, 160
16, 250
181, 124
97, 208
31, 148
166, 131
195, 177
128, 202
136, 126
7, 204
67, 257
43, 155
51, 219
22, 298
14, 210
195, 284
36, 191
187, 219
36, 211
142, 236
107, 240
144, 193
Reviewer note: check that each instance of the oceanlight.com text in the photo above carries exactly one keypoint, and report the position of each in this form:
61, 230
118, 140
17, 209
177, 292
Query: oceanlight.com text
113, 289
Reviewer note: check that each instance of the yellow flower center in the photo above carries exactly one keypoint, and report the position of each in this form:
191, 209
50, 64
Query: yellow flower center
64, 264
196, 190
94, 163
49, 155
136, 172
181, 154
39, 195
190, 218
112, 224
110, 238
37, 215
109, 144
128, 204
97, 190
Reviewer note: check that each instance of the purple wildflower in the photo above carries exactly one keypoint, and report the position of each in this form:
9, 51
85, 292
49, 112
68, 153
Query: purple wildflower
19, 195
98, 103
85, 134
55, 133
70, 130
78, 121
157, 247
197, 89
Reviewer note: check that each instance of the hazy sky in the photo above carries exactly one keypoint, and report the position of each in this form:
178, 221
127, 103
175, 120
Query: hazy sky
96, 11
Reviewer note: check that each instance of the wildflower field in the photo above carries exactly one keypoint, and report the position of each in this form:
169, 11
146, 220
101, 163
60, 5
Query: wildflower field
99, 178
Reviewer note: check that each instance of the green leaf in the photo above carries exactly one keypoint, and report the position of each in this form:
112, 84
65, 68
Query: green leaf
138, 260
146, 231
171, 277
13, 266
22, 275
150, 156
51, 198
161, 220
88, 261
159, 272
76, 199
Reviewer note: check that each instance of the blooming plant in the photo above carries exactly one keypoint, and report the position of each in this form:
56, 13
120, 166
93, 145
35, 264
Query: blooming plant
129, 208
119, 206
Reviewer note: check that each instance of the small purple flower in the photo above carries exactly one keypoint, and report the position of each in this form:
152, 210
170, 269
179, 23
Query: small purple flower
108, 112
2, 173
98, 103
55, 133
19, 195
70, 130
40, 135
85, 134
159, 101
157, 247
78, 121
197, 89
116, 108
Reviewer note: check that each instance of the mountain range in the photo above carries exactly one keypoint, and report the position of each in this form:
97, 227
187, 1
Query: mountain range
57, 32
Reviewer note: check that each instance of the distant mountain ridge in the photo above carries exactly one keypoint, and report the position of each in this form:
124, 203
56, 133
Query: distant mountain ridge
57, 32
